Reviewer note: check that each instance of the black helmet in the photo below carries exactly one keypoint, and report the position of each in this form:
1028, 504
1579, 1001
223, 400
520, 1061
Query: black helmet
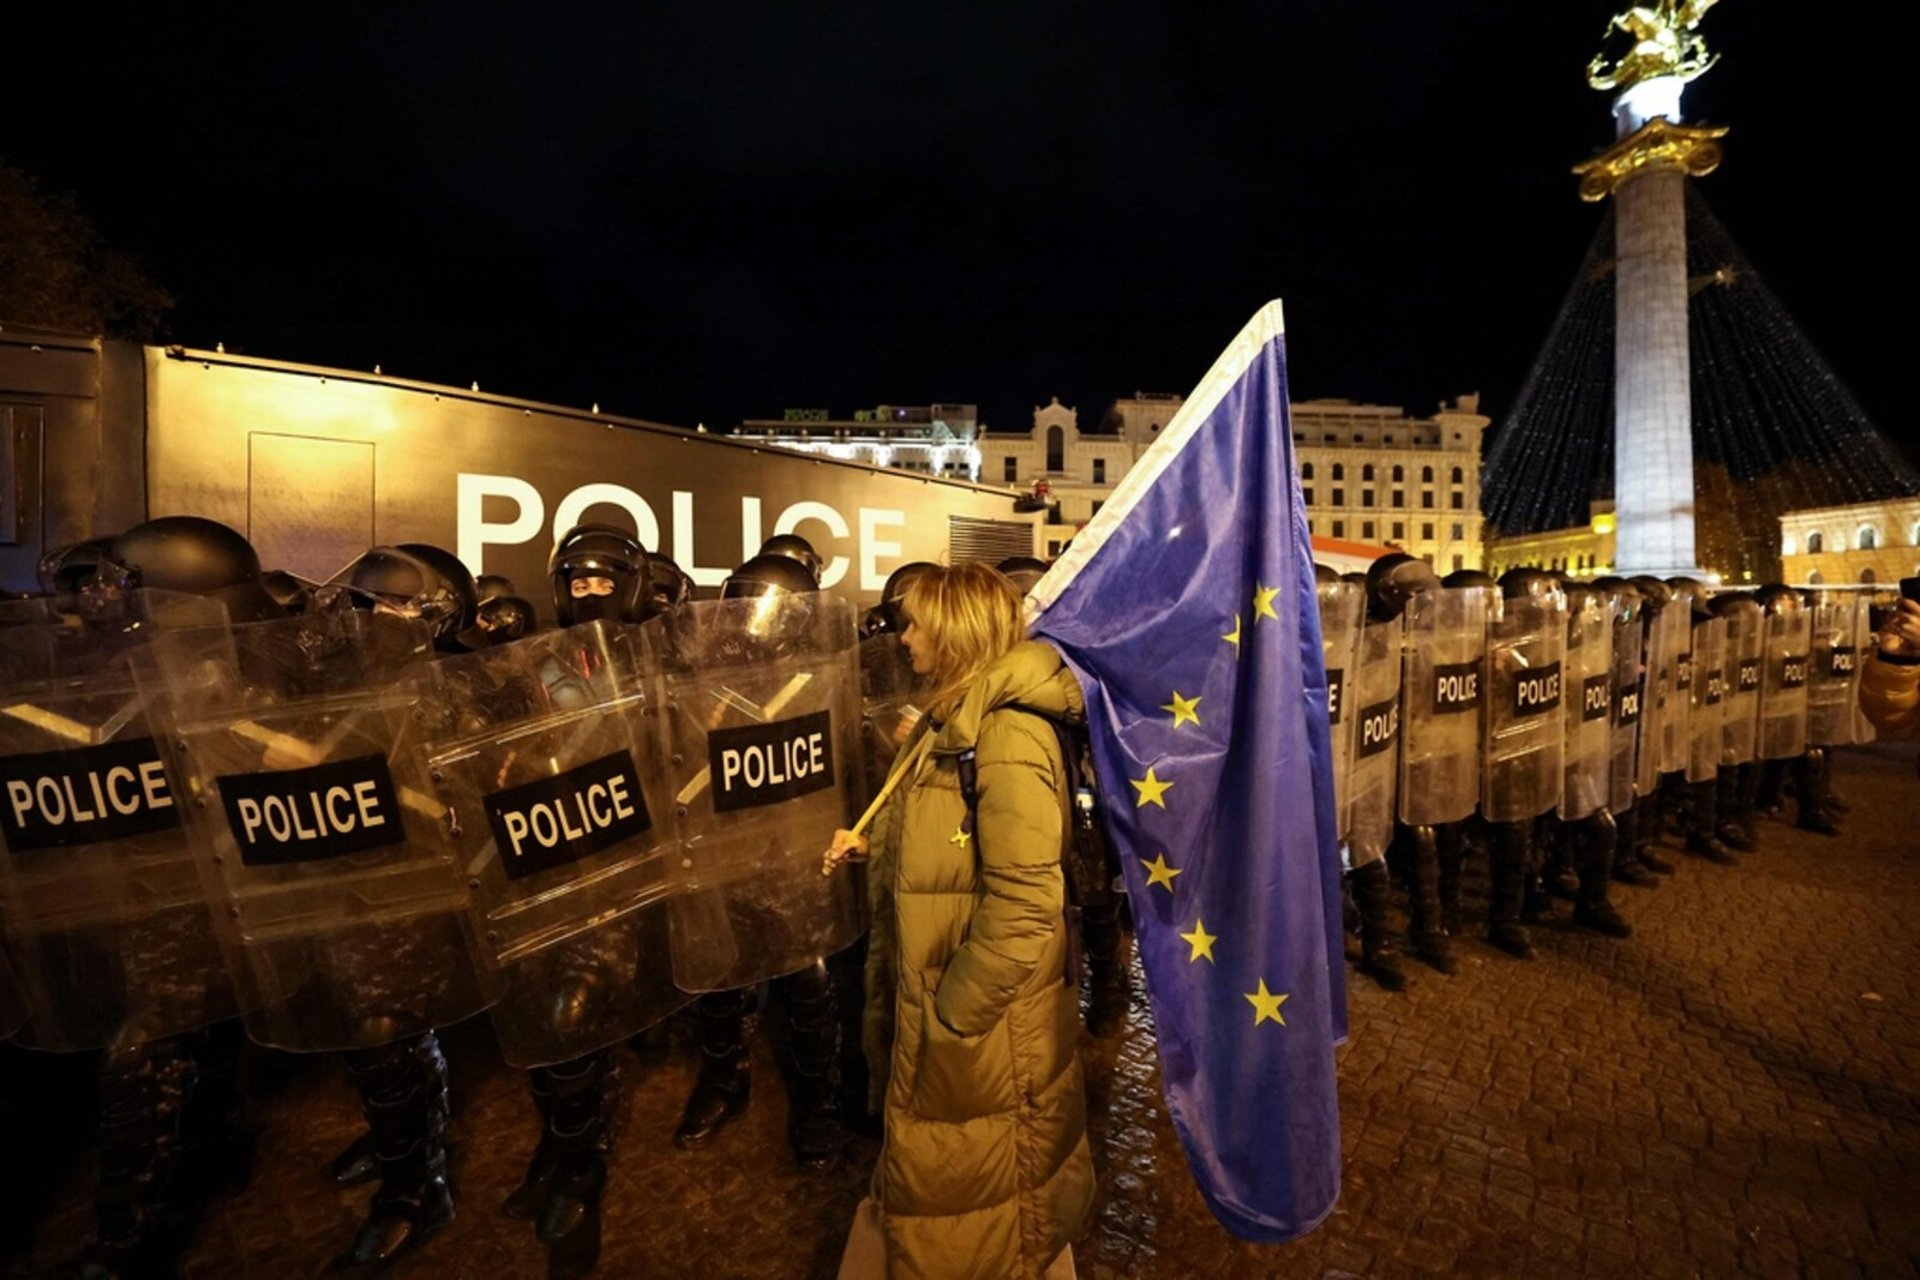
1025, 571
889, 616
668, 587
794, 547
200, 557
412, 584
1779, 598
1462, 578
289, 590
491, 586
769, 574
504, 619
1626, 596
1394, 579
1324, 575
1518, 584
1656, 593
1354, 576
1735, 604
64, 570
605, 552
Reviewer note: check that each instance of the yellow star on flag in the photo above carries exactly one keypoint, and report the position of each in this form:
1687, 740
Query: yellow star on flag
961, 837
1201, 941
1159, 873
1151, 790
1266, 1004
1233, 637
1263, 603
1184, 709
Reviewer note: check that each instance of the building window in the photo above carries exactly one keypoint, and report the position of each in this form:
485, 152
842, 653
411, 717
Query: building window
1458, 475
1426, 532
1332, 438
1868, 575
1399, 473
1097, 504
1306, 471
1339, 472
1815, 544
1056, 449
1399, 530
1366, 528
1099, 470
1012, 470
1426, 500
1339, 528
1459, 532
1457, 502
1866, 538
1306, 496
1366, 497
1339, 497
1814, 579
1366, 472
1459, 563
1399, 495
1426, 475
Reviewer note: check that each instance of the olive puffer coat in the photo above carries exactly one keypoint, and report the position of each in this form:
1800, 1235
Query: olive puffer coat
1890, 697
986, 1170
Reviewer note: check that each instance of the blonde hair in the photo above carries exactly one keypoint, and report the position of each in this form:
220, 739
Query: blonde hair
971, 615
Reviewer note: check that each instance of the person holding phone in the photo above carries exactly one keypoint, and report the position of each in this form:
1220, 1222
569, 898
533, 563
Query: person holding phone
1890, 681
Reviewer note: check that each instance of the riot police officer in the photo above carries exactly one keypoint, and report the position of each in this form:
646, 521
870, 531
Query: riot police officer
1705, 737
795, 548
1585, 828
1372, 697
723, 1087
1738, 779
1526, 742
885, 618
1783, 691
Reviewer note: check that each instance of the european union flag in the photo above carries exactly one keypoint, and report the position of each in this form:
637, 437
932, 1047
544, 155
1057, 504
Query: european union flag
1187, 610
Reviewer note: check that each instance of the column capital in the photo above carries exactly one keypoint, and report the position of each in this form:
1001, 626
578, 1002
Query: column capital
1659, 144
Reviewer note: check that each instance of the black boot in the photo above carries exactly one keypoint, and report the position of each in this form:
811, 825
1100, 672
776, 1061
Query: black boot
723, 1088
1626, 859
1450, 848
1372, 888
1595, 838
524, 1201
1729, 826
813, 1051
144, 1092
1427, 922
1702, 824
583, 1097
1510, 864
1110, 990
403, 1092
1645, 824
1812, 778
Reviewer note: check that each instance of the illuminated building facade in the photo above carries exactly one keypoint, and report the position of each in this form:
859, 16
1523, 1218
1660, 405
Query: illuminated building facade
936, 440
1874, 542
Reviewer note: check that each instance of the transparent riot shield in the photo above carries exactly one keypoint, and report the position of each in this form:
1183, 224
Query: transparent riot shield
1341, 606
1864, 643
1788, 638
759, 710
112, 934
1629, 637
298, 745
1656, 678
1526, 736
892, 702
1375, 708
1587, 705
558, 812
1442, 699
1833, 669
1676, 686
1706, 717
1744, 660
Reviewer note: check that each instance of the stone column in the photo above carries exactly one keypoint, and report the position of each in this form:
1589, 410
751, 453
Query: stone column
1653, 409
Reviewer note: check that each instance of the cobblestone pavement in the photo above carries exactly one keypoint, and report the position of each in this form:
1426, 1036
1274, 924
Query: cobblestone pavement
1734, 1090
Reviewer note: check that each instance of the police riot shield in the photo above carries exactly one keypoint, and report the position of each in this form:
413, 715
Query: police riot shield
1341, 605
1706, 718
113, 938
1788, 637
1744, 661
1656, 678
892, 702
1375, 708
1442, 700
1833, 669
298, 745
558, 812
1526, 738
1587, 704
759, 709
1629, 638
1864, 643
1675, 691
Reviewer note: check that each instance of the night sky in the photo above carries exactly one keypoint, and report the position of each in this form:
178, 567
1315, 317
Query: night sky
712, 211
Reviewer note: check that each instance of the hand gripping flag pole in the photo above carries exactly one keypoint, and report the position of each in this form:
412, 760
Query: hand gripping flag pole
1187, 610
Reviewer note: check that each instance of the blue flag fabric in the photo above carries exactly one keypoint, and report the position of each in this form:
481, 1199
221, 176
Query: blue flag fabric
1187, 609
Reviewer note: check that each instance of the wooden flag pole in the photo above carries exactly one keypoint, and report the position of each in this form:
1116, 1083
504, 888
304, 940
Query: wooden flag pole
900, 770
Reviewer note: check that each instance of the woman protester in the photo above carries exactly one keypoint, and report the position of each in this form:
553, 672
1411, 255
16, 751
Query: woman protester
972, 1021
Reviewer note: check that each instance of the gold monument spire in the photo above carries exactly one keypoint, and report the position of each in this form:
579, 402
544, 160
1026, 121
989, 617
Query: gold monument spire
1664, 44
1665, 54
